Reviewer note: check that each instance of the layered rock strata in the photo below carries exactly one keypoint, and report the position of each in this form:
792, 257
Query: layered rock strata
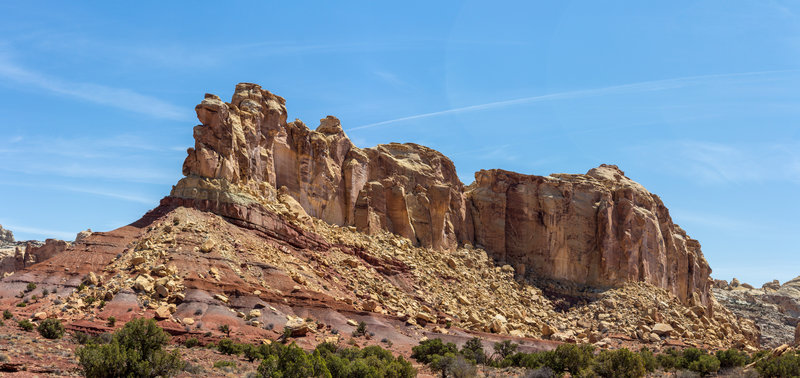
600, 229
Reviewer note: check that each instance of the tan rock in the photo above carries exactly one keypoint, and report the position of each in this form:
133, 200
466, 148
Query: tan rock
207, 246
40, 315
143, 283
663, 329
221, 297
162, 313
91, 279
187, 321
254, 313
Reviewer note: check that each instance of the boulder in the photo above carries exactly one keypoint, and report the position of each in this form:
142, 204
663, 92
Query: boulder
663, 329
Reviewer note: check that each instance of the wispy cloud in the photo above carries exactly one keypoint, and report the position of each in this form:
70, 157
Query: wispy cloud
119, 98
721, 163
104, 192
645, 86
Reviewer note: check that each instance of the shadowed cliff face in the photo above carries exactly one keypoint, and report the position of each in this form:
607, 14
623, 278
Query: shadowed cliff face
600, 229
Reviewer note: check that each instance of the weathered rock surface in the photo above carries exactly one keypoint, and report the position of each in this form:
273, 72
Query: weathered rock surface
600, 229
23, 254
774, 308
6, 236
276, 224
407, 189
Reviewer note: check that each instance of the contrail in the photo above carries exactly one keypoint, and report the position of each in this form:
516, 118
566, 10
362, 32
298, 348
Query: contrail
644, 86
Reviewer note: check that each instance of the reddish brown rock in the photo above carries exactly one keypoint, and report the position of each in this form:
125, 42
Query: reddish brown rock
407, 189
597, 229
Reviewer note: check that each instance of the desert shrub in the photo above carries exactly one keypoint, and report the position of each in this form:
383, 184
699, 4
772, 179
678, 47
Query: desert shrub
228, 346
135, 350
787, 365
505, 348
569, 358
621, 363
293, 362
360, 330
25, 325
7, 315
45, 292
22, 304
224, 364
705, 365
473, 351
111, 321
425, 351
453, 365
51, 329
30, 287
250, 352
688, 356
731, 358
226, 329
191, 342
372, 361
81, 287
668, 360
648, 359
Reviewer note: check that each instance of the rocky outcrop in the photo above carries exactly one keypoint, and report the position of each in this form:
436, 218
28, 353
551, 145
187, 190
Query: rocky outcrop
21, 255
407, 189
775, 308
599, 230
6, 236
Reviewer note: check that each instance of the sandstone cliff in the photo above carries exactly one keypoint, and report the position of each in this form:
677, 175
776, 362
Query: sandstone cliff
598, 230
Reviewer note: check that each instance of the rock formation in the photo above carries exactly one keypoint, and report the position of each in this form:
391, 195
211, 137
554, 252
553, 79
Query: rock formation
21, 255
6, 236
600, 229
597, 229
775, 308
276, 225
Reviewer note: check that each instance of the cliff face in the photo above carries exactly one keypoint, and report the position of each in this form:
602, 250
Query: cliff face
597, 229
600, 229
407, 189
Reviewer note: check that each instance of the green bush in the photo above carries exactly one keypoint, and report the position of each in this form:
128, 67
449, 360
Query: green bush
505, 348
191, 342
135, 350
621, 363
705, 364
570, 358
731, 358
668, 360
30, 287
226, 329
51, 329
224, 364
473, 351
787, 365
293, 362
227, 346
648, 359
111, 321
360, 330
25, 325
7, 315
453, 365
426, 350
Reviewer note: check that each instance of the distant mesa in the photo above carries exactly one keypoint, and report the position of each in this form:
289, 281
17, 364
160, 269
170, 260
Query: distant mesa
6, 236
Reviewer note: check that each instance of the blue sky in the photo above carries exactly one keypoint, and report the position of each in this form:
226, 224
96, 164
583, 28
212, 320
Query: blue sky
698, 101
